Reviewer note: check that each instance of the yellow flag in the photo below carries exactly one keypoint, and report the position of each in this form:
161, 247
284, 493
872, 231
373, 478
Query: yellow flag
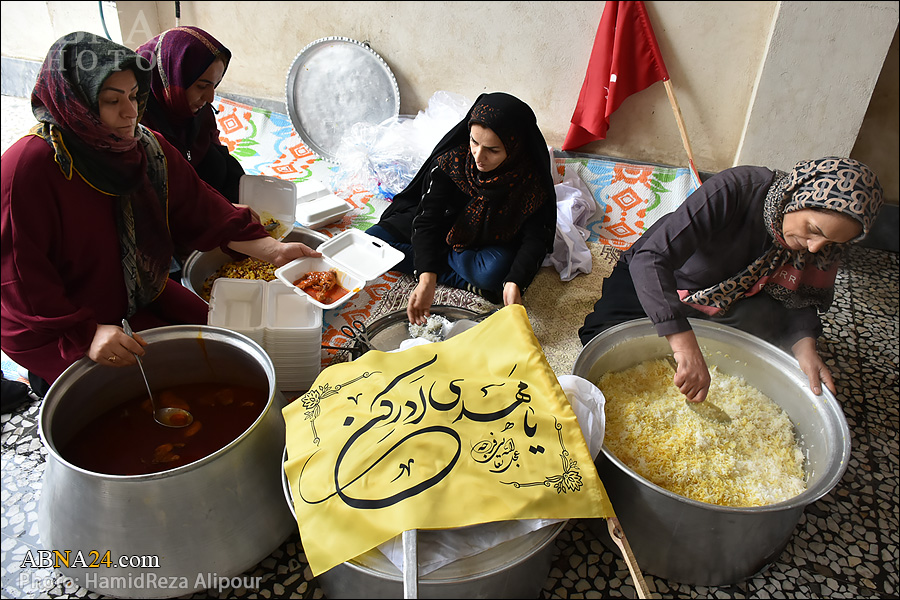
471, 430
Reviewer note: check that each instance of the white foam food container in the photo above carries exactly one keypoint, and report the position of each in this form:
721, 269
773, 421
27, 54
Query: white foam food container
355, 256
239, 305
321, 211
287, 312
272, 199
310, 190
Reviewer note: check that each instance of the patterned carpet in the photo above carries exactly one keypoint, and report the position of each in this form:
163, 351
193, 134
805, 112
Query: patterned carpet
629, 199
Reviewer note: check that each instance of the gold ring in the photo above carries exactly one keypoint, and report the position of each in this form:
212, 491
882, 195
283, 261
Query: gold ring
113, 358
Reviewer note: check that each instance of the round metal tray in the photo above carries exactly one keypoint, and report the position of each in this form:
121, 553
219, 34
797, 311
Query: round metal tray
333, 84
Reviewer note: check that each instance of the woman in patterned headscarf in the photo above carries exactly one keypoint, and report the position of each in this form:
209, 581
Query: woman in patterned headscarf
91, 206
746, 230
481, 212
187, 66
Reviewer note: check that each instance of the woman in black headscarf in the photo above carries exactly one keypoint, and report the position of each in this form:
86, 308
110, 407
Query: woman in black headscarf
481, 212
752, 248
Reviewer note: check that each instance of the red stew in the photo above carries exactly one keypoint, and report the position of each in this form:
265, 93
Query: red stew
322, 285
127, 441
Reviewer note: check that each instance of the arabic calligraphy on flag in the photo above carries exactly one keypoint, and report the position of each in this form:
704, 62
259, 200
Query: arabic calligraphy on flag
471, 430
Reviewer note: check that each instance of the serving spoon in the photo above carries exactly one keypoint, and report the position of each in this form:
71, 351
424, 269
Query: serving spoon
705, 409
170, 417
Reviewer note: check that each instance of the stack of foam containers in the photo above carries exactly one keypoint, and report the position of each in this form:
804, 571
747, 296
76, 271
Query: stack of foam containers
292, 337
237, 304
286, 325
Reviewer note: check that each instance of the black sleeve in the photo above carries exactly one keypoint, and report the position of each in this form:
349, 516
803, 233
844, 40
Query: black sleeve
535, 242
222, 171
437, 211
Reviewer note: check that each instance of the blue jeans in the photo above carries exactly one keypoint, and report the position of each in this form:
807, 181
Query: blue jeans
484, 268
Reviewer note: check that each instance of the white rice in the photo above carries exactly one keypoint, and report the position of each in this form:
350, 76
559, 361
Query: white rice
434, 329
753, 461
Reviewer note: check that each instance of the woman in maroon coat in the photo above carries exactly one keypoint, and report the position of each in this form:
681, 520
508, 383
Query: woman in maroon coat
188, 64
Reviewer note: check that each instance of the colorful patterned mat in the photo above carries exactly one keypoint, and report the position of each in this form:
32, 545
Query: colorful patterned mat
629, 198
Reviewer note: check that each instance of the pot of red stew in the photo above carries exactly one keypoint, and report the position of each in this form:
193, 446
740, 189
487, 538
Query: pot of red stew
138, 510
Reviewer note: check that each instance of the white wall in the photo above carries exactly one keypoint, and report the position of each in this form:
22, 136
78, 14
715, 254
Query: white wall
758, 82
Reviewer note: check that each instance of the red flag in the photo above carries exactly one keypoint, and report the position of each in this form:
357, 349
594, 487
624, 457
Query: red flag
625, 60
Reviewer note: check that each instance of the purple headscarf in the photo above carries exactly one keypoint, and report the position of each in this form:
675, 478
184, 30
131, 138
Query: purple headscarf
179, 57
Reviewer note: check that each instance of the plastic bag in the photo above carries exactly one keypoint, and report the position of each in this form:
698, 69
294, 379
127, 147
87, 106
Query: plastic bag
384, 158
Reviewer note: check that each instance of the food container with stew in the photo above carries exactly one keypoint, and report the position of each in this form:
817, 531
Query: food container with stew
273, 199
349, 260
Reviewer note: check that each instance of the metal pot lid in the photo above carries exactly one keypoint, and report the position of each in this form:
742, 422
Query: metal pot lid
334, 83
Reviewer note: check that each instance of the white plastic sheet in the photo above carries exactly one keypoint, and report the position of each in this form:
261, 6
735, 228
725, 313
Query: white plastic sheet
384, 158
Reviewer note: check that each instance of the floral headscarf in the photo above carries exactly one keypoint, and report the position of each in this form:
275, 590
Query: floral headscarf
132, 169
798, 278
65, 102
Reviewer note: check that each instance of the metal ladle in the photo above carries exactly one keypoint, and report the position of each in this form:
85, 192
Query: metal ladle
170, 417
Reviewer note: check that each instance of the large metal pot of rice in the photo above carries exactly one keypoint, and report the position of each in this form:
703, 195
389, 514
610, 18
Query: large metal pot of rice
696, 543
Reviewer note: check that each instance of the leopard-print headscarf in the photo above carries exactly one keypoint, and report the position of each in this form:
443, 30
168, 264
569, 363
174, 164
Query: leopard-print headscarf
798, 278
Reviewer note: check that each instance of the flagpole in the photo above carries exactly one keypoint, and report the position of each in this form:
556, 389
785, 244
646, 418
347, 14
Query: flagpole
684, 136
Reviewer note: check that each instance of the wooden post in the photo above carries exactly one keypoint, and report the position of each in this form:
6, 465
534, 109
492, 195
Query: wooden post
618, 536
684, 136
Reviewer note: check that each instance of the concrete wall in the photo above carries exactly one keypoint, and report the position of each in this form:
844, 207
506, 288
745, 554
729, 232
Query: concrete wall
766, 83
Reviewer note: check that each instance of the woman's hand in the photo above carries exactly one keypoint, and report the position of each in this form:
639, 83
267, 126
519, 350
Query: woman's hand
511, 294
272, 251
812, 364
692, 377
418, 309
112, 347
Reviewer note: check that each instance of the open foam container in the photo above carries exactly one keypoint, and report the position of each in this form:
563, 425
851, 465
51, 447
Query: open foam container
271, 198
355, 256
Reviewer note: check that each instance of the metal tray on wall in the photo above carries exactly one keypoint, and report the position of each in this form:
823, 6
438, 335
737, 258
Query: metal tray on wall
333, 84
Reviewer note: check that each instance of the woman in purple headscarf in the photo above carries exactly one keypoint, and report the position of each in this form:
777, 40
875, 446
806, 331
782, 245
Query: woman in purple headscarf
188, 64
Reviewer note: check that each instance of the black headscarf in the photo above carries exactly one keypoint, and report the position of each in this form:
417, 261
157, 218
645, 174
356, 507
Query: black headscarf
502, 199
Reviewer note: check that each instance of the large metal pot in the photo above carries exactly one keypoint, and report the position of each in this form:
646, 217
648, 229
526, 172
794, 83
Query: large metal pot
200, 265
213, 518
696, 543
517, 568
